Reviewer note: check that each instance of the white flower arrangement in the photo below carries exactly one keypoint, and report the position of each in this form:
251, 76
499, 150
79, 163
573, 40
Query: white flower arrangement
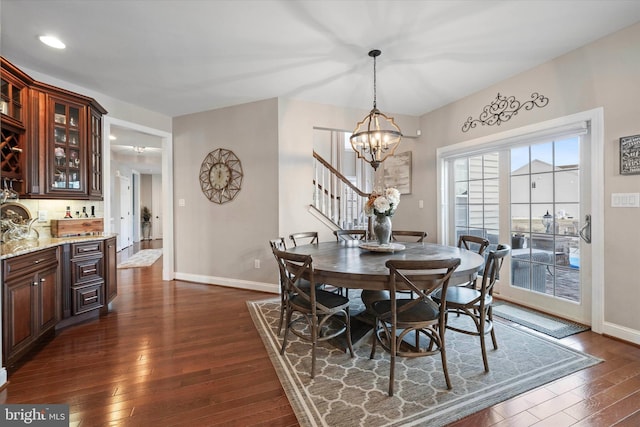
384, 203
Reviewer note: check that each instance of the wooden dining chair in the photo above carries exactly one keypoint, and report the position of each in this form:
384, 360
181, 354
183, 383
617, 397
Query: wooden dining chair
477, 304
406, 235
399, 320
280, 245
324, 315
350, 234
304, 238
473, 243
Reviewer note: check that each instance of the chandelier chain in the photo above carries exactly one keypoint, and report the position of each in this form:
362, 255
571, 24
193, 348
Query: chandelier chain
374, 83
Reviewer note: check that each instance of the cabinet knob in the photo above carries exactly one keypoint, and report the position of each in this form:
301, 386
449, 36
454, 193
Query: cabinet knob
34, 284
43, 280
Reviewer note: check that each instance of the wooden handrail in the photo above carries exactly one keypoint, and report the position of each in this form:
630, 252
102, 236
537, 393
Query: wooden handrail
339, 175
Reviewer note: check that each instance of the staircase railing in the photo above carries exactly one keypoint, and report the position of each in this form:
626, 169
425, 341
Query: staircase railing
336, 197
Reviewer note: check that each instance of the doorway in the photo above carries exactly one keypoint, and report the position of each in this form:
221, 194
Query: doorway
123, 188
522, 174
166, 141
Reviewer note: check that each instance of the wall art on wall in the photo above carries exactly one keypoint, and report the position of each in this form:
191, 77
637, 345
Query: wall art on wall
221, 176
503, 108
630, 155
397, 172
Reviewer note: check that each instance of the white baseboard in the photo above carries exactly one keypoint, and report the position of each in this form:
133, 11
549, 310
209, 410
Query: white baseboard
273, 288
621, 332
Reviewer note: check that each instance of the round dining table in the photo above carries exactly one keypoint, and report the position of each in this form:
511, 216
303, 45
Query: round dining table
346, 264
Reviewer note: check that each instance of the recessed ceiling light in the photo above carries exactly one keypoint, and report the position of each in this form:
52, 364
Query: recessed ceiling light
52, 42
112, 137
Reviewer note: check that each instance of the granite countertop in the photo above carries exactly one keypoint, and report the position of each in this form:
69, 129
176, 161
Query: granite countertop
21, 247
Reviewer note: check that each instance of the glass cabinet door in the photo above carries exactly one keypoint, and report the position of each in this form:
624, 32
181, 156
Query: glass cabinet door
95, 154
11, 102
67, 163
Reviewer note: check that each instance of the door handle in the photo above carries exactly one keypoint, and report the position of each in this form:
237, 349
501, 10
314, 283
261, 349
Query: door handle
585, 231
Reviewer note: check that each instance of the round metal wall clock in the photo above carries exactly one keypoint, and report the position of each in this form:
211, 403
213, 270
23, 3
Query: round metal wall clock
221, 176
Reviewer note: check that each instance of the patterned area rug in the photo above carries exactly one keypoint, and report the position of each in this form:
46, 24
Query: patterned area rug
353, 392
552, 326
143, 258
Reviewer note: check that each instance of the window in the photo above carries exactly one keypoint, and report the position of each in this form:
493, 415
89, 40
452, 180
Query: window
477, 191
545, 212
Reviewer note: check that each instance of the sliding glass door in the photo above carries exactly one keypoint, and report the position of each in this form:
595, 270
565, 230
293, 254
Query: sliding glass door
533, 196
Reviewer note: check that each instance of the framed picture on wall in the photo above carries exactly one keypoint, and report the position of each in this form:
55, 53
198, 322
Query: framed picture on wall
630, 155
397, 172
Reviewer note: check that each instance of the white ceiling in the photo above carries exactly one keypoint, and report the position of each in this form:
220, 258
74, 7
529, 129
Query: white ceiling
183, 56
149, 161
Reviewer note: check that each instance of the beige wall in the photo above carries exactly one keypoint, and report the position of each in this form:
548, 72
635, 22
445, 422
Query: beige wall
219, 243
296, 122
603, 74
274, 140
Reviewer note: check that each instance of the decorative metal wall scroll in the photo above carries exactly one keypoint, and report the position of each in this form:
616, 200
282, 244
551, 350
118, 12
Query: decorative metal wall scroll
503, 108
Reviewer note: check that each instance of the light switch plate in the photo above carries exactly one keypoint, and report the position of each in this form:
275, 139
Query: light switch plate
625, 200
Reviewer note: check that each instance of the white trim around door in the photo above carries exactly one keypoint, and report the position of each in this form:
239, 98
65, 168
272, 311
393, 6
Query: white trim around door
595, 118
168, 272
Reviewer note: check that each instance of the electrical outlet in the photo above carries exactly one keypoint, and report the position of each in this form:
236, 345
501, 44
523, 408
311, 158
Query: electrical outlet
42, 216
256, 263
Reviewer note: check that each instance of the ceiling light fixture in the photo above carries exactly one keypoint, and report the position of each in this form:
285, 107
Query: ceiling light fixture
112, 138
138, 149
52, 41
377, 136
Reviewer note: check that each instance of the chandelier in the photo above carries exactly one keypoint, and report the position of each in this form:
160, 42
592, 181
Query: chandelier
377, 136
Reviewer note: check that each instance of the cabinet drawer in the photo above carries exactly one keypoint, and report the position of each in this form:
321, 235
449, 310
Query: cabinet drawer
88, 297
86, 249
85, 270
29, 263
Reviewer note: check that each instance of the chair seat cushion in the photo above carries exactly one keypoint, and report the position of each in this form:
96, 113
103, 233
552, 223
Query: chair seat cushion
424, 311
369, 297
328, 299
305, 285
461, 295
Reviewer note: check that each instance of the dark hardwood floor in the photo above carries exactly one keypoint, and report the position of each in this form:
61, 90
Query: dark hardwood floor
185, 354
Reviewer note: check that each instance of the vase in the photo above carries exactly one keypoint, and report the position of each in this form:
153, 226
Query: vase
146, 230
382, 229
